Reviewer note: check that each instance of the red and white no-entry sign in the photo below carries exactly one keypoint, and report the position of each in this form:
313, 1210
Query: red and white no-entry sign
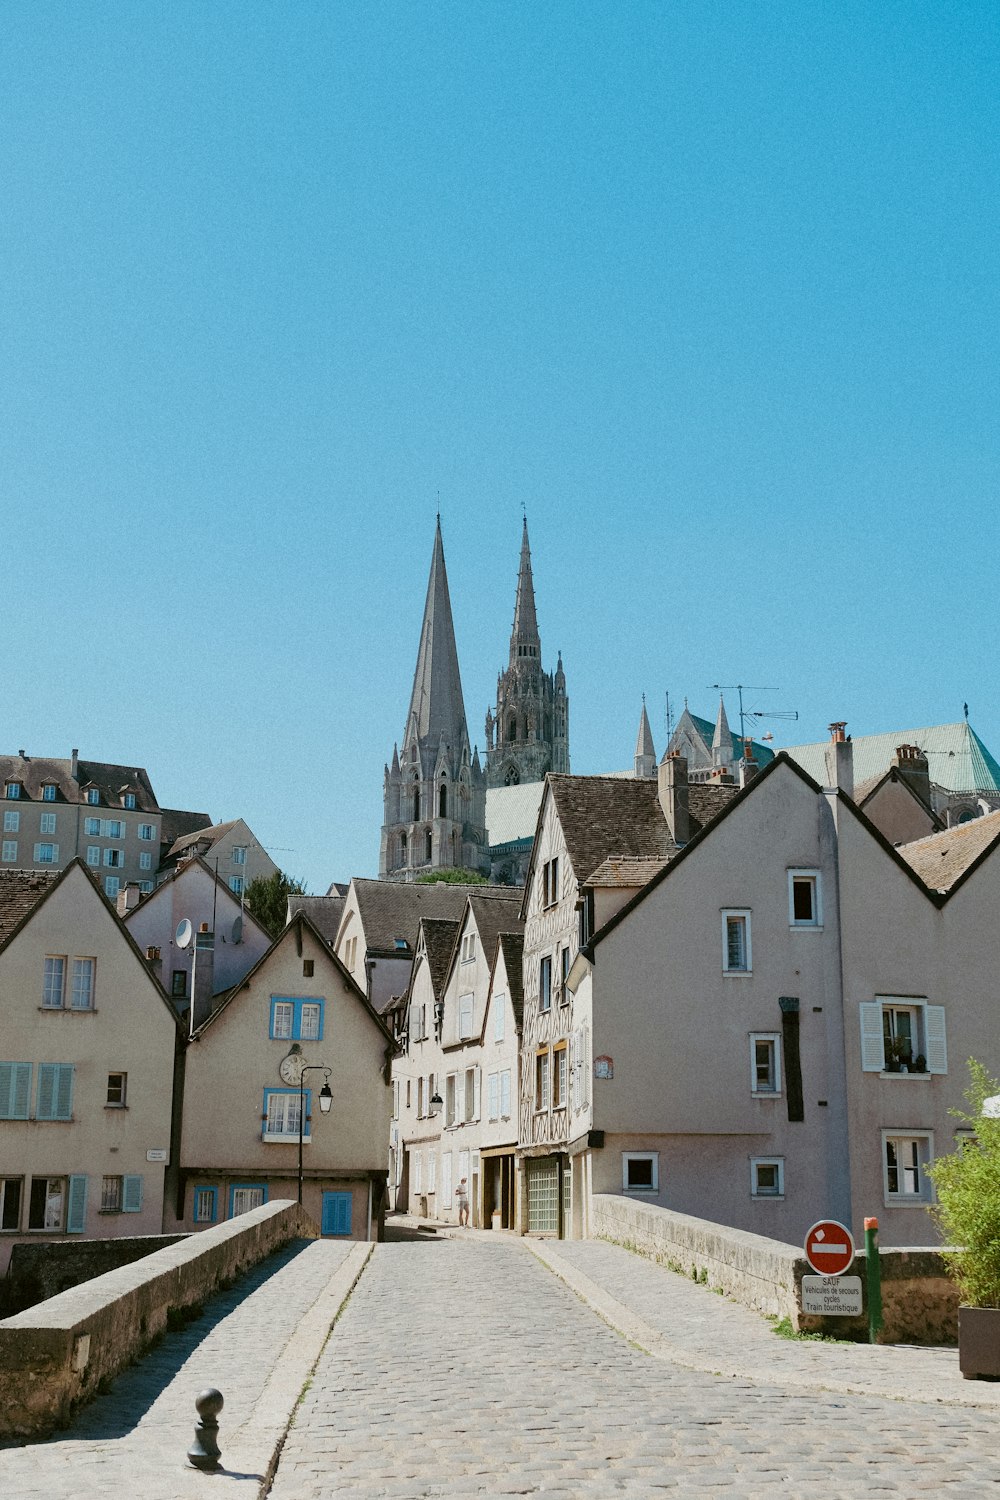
829, 1248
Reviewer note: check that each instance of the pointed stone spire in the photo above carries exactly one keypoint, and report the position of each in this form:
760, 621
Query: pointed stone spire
722, 739
525, 632
437, 708
645, 753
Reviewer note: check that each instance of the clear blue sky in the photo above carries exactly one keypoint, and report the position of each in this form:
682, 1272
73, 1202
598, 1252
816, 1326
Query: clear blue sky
711, 288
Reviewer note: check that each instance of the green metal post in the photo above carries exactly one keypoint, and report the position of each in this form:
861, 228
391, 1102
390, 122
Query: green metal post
873, 1278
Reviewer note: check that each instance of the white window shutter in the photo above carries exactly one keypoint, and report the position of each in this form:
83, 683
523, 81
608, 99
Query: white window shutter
76, 1211
131, 1195
477, 1091
872, 1050
937, 1047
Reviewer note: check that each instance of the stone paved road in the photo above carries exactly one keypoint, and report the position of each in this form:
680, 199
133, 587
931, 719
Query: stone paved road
465, 1368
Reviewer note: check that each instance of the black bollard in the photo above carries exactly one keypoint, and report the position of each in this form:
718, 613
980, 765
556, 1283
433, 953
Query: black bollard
204, 1451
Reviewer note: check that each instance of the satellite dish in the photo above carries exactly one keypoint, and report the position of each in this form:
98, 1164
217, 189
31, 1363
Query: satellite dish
238, 930
184, 933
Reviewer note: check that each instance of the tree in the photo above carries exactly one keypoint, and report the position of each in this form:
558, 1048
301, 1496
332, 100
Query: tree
452, 877
267, 899
968, 1193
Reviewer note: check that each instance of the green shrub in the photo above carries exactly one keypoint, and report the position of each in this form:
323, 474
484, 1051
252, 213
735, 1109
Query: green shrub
968, 1192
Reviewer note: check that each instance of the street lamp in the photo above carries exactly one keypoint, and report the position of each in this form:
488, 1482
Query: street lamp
325, 1104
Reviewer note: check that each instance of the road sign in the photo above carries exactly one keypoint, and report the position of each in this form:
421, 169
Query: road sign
829, 1248
831, 1296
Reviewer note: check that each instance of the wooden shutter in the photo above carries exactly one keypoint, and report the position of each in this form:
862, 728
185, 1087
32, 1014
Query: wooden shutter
15, 1091
872, 1050
131, 1195
76, 1212
342, 1213
46, 1102
477, 1092
64, 1093
937, 1047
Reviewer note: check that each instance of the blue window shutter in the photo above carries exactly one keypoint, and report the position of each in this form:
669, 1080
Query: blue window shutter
15, 1090
337, 1213
343, 1214
64, 1092
76, 1212
131, 1195
46, 1103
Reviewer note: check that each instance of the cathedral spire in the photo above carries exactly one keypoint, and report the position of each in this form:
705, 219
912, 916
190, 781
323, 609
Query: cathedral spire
645, 752
525, 632
722, 740
436, 705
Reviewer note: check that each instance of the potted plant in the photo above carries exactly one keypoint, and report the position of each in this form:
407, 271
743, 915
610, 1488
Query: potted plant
967, 1212
920, 1063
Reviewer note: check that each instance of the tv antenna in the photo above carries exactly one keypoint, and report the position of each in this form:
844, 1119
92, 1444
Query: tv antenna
754, 713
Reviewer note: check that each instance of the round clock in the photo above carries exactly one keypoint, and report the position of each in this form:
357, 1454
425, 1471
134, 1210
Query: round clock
291, 1067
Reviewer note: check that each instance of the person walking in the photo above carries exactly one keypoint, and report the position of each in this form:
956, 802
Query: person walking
462, 1200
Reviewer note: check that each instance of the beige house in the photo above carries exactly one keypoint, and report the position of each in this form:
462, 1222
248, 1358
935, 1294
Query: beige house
89, 1040
243, 1086
230, 848
778, 1018
460, 1048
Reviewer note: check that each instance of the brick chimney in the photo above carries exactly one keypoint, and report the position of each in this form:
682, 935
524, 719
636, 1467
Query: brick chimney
840, 759
128, 898
672, 789
911, 763
748, 766
74, 763
204, 974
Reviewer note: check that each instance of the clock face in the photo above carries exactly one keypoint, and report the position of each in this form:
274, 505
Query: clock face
291, 1067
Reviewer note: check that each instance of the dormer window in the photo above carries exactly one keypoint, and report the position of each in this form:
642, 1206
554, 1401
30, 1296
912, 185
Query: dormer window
12, 790
93, 796
128, 801
49, 792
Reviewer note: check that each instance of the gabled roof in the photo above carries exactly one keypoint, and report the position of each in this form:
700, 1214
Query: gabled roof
617, 872
389, 910
957, 759
180, 872
20, 893
492, 917
175, 823
865, 791
439, 943
324, 912
33, 773
300, 923
943, 858
207, 836
511, 945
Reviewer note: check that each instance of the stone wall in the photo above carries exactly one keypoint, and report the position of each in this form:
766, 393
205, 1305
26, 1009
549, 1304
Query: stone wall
919, 1301
42, 1268
55, 1355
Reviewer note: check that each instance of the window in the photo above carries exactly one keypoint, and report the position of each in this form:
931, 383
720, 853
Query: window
466, 1004
113, 828
641, 1171
54, 1099
407, 1093
10, 1203
499, 1017
418, 1023
48, 793
47, 823
92, 827
765, 1062
111, 885
767, 1177
564, 967
54, 983
12, 790
560, 1062
542, 1081
15, 1090
432, 1162
9, 851
428, 846
337, 1211
545, 983
418, 1171
550, 882
45, 1205
128, 801
145, 861
145, 886
147, 831
804, 904
296, 1020
308, 968
205, 1199
117, 1083
900, 1033
93, 796
505, 1094
450, 1100
904, 1162
736, 954
111, 1195
82, 995
236, 884
178, 984
281, 1115
46, 854
93, 854
11, 822
245, 1196
468, 947
493, 1096
239, 854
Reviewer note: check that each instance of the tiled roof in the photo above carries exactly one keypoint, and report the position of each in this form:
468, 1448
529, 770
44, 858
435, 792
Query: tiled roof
706, 799
33, 772
207, 836
389, 910
324, 912
957, 759
941, 858
20, 891
512, 811
512, 947
633, 872
493, 917
175, 823
439, 942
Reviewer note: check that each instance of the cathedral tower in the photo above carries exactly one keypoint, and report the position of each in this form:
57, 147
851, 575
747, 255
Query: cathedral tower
527, 734
435, 790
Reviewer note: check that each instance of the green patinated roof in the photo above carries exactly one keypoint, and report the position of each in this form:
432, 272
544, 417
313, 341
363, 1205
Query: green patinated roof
957, 759
706, 728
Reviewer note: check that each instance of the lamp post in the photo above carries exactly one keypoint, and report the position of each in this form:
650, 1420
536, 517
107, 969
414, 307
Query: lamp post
325, 1104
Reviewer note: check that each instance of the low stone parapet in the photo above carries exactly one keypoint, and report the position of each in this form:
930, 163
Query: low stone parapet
42, 1268
55, 1355
919, 1301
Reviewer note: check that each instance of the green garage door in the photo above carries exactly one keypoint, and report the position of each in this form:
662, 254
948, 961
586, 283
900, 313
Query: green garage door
543, 1195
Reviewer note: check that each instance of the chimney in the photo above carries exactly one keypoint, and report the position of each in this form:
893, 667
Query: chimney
128, 898
748, 766
840, 759
153, 957
911, 763
672, 789
74, 763
204, 975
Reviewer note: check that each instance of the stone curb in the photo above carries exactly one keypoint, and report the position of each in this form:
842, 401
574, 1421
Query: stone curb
254, 1448
624, 1321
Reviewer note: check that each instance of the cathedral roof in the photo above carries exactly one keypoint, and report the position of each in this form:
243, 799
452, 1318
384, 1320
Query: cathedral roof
512, 811
957, 759
437, 709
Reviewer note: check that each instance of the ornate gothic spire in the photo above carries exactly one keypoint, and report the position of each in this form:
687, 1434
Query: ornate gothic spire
437, 708
525, 632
